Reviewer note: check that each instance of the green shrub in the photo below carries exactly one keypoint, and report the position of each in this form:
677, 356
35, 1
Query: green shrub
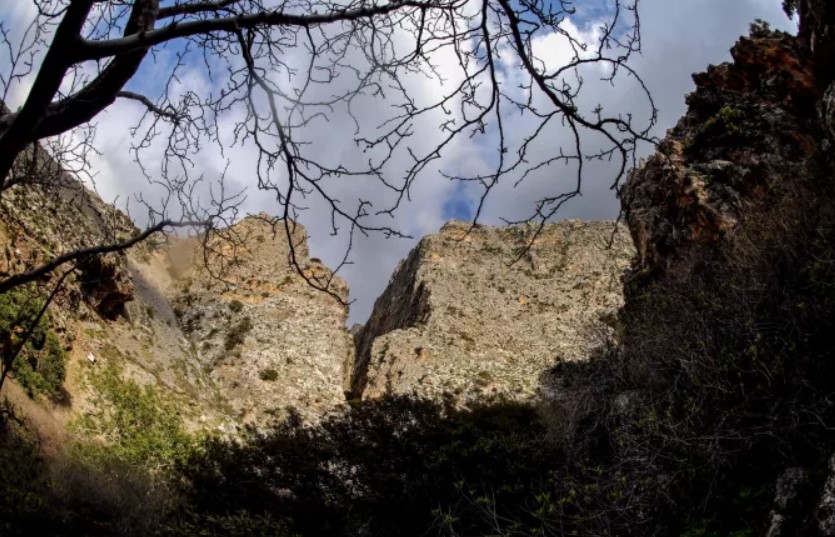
236, 306
131, 423
39, 367
119, 473
268, 375
237, 333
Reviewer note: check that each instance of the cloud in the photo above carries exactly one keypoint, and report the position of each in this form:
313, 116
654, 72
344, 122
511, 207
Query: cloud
679, 38
674, 47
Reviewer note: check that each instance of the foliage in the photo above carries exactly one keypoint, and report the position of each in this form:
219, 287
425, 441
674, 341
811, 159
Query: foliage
240, 524
237, 333
391, 467
117, 475
138, 426
723, 377
268, 375
22, 481
39, 367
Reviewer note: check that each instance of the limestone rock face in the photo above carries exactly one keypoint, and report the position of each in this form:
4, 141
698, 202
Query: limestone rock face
460, 319
111, 311
749, 123
269, 340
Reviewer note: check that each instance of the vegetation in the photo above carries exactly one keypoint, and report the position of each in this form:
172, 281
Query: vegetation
268, 375
390, 467
31, 352
724, 376
115, 478
22, 481
137, 426
236, 334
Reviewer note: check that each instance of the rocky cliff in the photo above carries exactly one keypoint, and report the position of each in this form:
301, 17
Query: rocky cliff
269, 340
459, 318
236, 337
728, 306
751, 125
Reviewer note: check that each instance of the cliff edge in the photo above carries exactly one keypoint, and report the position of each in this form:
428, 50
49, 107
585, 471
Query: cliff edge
461, 319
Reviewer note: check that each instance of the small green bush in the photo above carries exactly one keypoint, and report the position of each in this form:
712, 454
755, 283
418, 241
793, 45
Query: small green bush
237, 333
268, 375
138, 425
39, 367
236, 306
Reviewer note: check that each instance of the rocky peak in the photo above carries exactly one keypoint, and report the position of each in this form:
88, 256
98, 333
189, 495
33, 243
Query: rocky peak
268, 338
750, 122
459, 318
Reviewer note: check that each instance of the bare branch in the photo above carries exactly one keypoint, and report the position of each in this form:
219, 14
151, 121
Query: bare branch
32, 275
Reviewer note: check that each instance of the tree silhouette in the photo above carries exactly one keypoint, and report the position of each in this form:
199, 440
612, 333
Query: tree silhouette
279, 68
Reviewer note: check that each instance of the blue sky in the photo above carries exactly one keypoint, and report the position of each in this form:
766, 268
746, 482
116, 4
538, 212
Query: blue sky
680, 37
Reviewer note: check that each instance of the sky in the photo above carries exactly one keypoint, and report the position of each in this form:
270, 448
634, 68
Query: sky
680, 37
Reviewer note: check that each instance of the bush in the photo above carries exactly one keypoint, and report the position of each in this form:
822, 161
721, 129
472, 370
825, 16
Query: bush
699, 409
237, 333
392, 467
268, 375
140, 427
39, 367
120, 471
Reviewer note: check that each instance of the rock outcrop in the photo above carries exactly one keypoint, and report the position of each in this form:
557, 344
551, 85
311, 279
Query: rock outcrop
269, 340
234, 337
732, 221
59, 215
749, 123
460, 319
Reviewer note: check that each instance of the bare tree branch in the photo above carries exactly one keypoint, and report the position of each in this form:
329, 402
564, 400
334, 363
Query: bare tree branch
32, 275
281, 70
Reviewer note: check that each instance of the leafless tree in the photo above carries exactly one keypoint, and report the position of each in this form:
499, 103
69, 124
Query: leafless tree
279, 67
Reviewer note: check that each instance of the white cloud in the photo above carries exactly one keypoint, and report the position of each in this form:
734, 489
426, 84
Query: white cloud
679, 37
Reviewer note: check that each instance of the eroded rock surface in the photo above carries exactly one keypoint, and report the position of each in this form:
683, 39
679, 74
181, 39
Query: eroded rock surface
268, 339
460, 319
749, 123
